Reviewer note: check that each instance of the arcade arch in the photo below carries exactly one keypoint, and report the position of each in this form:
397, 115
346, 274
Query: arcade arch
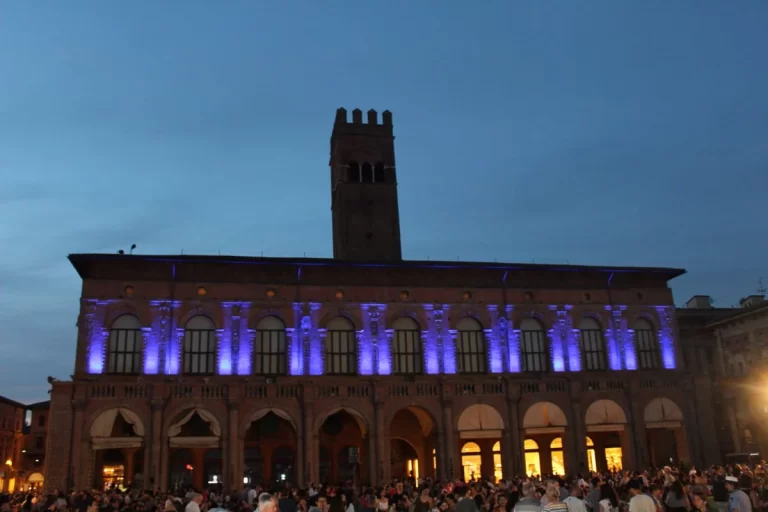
117, 439
544, 426
415, 427
481, 430
665, 432
606, 425
343, 450
194, 441
270, 448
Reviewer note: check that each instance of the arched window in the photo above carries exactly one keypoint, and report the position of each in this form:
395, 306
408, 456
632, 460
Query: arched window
533, 346
367, 173
353, 172
378, 173
269, 352
406, 347
340, 347
124, 349
199, 357
647, 346
556, 453
532, 458
592, 345
591, 455
470, 346
498, 471
471, 461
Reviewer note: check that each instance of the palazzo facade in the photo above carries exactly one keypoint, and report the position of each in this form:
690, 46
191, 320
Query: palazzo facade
229, 370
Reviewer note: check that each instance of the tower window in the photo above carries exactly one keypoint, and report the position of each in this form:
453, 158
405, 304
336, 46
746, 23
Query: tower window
353, 172
378, 173
367, 173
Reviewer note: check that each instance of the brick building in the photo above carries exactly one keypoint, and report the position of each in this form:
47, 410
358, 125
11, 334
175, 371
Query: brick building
730, 347
11, 441
35, 441
206, 369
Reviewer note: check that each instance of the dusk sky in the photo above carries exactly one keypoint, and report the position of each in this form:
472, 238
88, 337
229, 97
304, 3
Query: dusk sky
599, 132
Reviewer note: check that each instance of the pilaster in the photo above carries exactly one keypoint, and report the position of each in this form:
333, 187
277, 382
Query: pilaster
495, 359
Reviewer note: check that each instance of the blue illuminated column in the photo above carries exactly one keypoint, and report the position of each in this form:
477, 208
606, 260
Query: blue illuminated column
495, 359
296, 336
557, 340
666, 339
570, 337
513, 342
242, 343
316, 340
431, 343
94, 333
382, 340
224, 337
627, 341
367, 338
446, 337
173, 351
615, 337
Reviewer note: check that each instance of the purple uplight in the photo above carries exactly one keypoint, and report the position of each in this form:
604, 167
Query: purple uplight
96, 353
630, 357
151, 352
431, 352
666, 340
297, 354
558, 356
495, 359
449, 352
365, 361
225, 349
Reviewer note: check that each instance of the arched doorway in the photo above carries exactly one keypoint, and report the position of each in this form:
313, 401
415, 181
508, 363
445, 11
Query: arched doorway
194, 440
606, 429
483, 426
544, 425
412, 445
117, 438
343, 447
664, 423
270, 448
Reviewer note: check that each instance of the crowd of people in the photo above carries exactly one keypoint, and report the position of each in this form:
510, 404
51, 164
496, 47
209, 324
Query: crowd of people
719, 489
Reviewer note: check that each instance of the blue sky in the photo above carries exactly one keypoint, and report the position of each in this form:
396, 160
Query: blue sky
601, 132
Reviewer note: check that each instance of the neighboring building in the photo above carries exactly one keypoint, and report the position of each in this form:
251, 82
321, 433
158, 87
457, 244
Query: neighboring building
731, 346
35, 441
232, 369
11, 441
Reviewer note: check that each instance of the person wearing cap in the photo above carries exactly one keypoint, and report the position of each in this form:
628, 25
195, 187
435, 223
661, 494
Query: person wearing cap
738, 501
639, 502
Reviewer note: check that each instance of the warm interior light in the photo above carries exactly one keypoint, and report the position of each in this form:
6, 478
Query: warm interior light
9, 462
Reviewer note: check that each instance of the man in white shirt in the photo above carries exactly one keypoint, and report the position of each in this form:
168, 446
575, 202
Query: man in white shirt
575, 501
194, 503
640, 502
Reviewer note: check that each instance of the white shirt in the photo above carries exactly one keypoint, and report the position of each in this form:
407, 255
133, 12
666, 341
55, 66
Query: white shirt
576, 504
192, 507
642, 503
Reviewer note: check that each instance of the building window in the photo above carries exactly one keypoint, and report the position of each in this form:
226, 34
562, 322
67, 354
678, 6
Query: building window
556, 455
592, 343
471, 461
124, 349
270, 351
406, 347
199, 346
648, 357
378, 173
41, 420
340, 347
533, 346
532, 458
39, 442
366, 174
470, 346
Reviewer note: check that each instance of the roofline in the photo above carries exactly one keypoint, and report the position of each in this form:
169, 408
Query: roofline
78, 261
44, 403
13, 403
739, 313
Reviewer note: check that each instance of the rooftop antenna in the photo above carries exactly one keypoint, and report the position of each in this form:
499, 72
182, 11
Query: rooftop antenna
133, 246
760, 287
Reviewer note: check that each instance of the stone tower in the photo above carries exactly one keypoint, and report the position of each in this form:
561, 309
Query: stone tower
366, 222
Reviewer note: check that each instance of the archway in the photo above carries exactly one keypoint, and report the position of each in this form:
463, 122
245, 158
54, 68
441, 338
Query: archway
483, 426
194, 440
270, 448
607, 432
544, 426
412, 433
117, 438
343, 447
664, 425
